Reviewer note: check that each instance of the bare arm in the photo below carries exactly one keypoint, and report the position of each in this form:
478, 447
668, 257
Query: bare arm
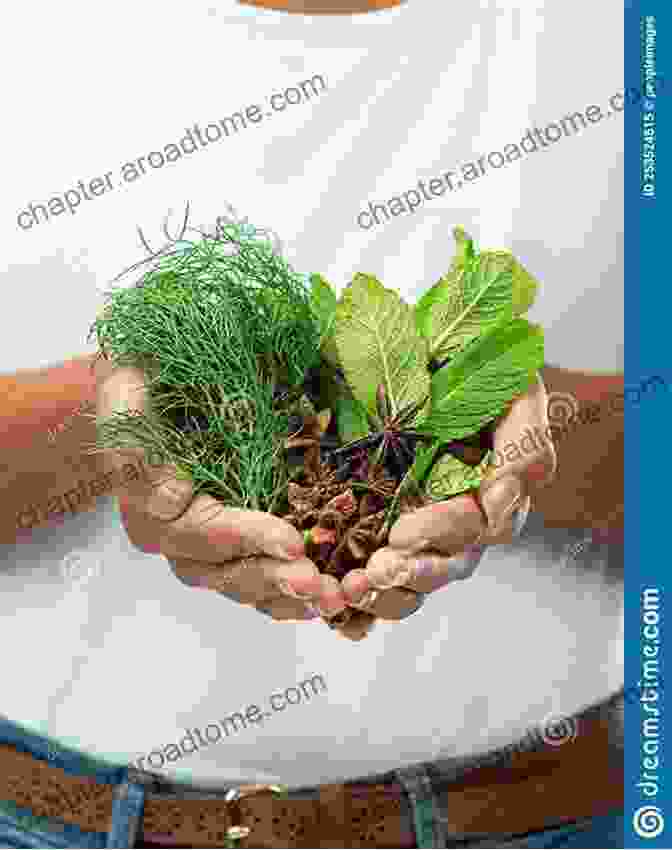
588, 488
44, 433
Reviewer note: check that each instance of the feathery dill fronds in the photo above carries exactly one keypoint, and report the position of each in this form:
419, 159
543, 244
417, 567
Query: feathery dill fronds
215, 323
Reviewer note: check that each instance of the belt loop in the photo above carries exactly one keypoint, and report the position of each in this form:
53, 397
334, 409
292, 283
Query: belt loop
127, 811
427, 818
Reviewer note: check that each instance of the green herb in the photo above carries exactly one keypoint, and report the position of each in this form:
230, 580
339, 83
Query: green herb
450, 477
481, 381
323, 303
351, 418
479, 292
378, 343
215, 325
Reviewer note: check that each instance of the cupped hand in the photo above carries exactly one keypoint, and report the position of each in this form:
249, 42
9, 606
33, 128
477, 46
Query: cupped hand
250, 557
431, 547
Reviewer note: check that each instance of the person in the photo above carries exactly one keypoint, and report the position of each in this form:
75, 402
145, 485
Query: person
431, 718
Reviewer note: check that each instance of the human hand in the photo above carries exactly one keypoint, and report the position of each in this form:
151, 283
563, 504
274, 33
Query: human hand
250, 557
444, 542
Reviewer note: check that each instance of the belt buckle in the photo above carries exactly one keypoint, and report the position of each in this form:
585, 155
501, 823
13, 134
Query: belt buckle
234, 834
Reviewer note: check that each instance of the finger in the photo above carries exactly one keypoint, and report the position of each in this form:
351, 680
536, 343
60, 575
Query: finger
321, 591
428, 571
432, 571
256, 589
249, 581
284, 610
159, 491
511, 526
524, 460
445, 526
393, 604
210, 531
258, 579
423, 572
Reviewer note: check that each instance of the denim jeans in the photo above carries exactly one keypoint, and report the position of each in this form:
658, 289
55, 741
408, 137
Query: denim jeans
427, 799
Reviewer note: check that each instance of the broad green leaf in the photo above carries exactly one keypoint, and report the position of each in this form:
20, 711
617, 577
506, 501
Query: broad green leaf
351, 419
378, 343
322, 300
449, 476
426, 306
469, 301
479, 292
480, 382
525, 287
323, 303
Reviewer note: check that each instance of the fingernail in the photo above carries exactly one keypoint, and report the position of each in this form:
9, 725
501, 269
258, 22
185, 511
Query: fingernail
424, 567
285, 552
501, 499
519, 517
289, 590
312, 613
330, 609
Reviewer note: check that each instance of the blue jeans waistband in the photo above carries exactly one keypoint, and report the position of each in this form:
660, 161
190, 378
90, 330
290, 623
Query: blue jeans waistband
425, 785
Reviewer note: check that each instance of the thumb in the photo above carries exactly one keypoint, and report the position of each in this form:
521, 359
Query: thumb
525, 460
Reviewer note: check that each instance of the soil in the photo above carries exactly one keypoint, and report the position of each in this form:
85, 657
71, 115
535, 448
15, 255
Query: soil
341, 504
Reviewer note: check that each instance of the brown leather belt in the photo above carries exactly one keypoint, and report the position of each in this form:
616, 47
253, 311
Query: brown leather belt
580, 778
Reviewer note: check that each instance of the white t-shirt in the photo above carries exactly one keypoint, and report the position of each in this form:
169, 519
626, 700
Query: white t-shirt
343, 114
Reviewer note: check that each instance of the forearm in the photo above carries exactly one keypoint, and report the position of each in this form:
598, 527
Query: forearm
44, 436
588, 489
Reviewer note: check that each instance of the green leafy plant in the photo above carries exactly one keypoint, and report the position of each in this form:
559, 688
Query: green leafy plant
217, 324
271, 392
452, 363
